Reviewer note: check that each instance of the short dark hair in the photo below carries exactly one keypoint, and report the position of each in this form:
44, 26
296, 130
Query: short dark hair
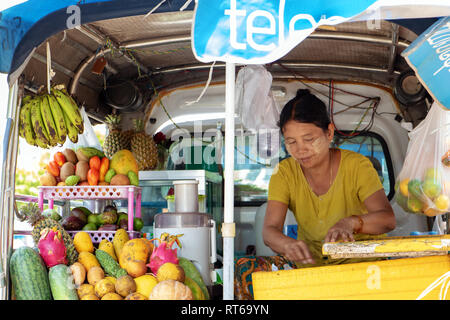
305, 108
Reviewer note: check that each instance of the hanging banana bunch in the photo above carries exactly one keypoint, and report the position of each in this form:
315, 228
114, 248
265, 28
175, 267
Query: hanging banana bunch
46, 120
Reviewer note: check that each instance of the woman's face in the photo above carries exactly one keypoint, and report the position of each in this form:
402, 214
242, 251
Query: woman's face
307, 143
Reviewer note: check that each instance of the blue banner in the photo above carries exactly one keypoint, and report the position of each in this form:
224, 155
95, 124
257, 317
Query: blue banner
429, 57
262, 31
258, 31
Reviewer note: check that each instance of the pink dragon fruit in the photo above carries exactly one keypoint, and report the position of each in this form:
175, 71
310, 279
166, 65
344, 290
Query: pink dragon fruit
51, 247
163, 252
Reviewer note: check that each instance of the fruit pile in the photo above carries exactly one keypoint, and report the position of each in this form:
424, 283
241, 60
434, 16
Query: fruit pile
110, 219
428, 196
88, 166
124, 269
47, 120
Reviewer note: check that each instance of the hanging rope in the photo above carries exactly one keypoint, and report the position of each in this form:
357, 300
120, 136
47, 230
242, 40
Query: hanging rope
205, 88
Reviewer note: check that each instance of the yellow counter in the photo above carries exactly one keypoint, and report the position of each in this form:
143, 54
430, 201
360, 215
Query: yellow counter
396, 279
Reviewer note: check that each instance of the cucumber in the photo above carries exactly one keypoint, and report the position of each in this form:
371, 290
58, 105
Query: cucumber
61, 283
29, 275
110, 265
191, 272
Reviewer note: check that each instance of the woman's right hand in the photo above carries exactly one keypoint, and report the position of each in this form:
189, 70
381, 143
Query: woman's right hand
298, 251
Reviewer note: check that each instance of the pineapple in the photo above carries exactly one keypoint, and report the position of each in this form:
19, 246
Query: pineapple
32, 214
115, 140
143, 147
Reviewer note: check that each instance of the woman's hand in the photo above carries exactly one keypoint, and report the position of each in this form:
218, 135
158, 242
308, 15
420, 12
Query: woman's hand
343, 229
298, 251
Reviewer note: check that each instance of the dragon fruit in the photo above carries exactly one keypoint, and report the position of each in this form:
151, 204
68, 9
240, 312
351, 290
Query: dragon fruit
163, 252
51, 247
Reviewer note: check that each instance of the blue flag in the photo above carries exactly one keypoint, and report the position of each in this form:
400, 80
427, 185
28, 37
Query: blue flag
429, 57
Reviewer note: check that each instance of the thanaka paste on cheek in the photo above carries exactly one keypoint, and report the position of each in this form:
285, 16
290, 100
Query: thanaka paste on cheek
319, 144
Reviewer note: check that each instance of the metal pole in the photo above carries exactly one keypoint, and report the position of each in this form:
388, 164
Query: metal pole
10, 144
228, 229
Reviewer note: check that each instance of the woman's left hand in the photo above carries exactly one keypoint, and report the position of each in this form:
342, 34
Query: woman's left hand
343, 229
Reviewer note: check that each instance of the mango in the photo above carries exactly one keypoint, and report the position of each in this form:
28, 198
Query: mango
82, 242
108, 247
123, 161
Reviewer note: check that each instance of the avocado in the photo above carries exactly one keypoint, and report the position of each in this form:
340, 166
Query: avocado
72, 223
79, 214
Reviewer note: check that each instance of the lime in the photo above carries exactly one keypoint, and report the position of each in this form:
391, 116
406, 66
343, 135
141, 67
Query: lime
93, 219
90, 227
138, 224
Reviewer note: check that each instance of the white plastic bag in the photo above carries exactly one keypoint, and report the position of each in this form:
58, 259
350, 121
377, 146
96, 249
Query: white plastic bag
88, 138
257, 108
423, 184
254, 100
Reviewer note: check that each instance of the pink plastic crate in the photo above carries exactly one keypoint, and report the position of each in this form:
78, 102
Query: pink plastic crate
98, 236
131, 193
88, 192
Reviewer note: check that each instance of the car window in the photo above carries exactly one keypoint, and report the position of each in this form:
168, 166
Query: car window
375, 148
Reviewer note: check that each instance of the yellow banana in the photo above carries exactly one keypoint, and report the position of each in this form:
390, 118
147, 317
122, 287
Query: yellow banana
25, 123
70, 108
58, 117
38, 123
72, 131
49, 123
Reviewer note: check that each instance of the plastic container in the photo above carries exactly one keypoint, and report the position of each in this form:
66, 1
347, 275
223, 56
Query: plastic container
201, 203
186, 195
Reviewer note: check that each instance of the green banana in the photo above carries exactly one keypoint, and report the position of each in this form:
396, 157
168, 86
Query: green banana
58, 117
72, 132
70, 109
41, 144
49, 123
38, 123
25, 123
75, 105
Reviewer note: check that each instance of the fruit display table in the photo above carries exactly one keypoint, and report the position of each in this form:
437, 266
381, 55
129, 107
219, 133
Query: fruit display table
131, 193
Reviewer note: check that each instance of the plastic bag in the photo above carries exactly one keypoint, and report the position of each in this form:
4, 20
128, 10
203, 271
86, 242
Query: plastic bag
254, 100
423, 185
88, 138
257, 108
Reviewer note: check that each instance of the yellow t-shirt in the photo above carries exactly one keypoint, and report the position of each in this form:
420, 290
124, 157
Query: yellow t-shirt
355, 181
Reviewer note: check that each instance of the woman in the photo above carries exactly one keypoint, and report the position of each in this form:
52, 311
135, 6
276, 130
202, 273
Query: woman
334, 194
